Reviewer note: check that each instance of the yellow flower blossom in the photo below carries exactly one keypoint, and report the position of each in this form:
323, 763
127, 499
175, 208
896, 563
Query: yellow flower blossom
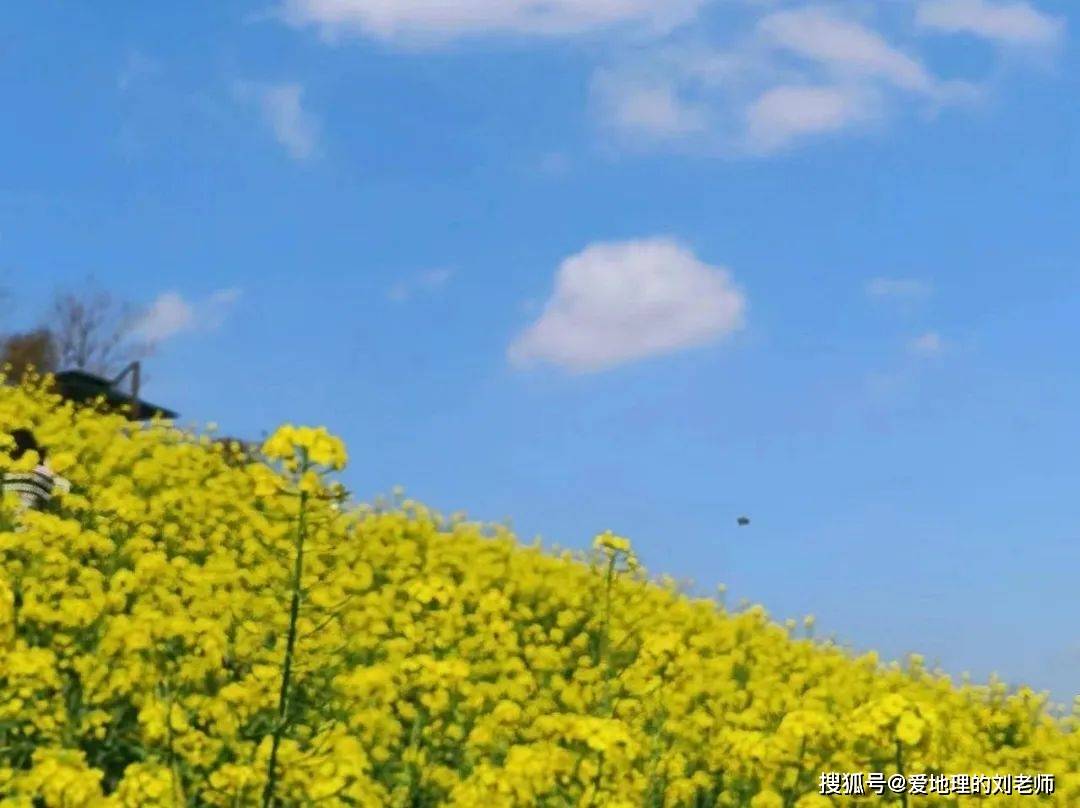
144, 619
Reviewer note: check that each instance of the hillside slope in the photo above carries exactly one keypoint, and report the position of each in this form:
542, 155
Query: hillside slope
144, 622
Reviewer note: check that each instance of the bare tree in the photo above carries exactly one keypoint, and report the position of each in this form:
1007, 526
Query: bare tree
31, 349
95, 332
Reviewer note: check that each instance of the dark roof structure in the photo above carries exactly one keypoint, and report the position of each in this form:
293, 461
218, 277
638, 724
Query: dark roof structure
83, 388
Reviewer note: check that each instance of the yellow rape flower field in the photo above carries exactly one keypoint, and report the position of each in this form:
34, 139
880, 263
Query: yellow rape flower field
148, 616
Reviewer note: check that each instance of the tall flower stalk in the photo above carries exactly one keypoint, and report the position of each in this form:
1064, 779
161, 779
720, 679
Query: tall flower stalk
290, 643
303, 452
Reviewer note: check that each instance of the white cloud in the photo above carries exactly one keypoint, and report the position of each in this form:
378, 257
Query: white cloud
844, 45
170, 315
649, 107
439, 20
785, 72
167, 316
616, 302
784, 114
282, 109
1012, 23
928, 344
799, 74
898, 288
424, 283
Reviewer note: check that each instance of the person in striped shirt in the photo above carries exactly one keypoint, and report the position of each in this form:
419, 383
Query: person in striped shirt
35, 488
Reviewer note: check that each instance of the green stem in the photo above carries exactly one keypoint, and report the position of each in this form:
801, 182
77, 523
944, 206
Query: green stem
604, 644
604, 641
290, 646
900, 770
177, 786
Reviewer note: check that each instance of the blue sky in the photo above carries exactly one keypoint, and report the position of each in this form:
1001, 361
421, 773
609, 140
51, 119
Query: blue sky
611, 264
